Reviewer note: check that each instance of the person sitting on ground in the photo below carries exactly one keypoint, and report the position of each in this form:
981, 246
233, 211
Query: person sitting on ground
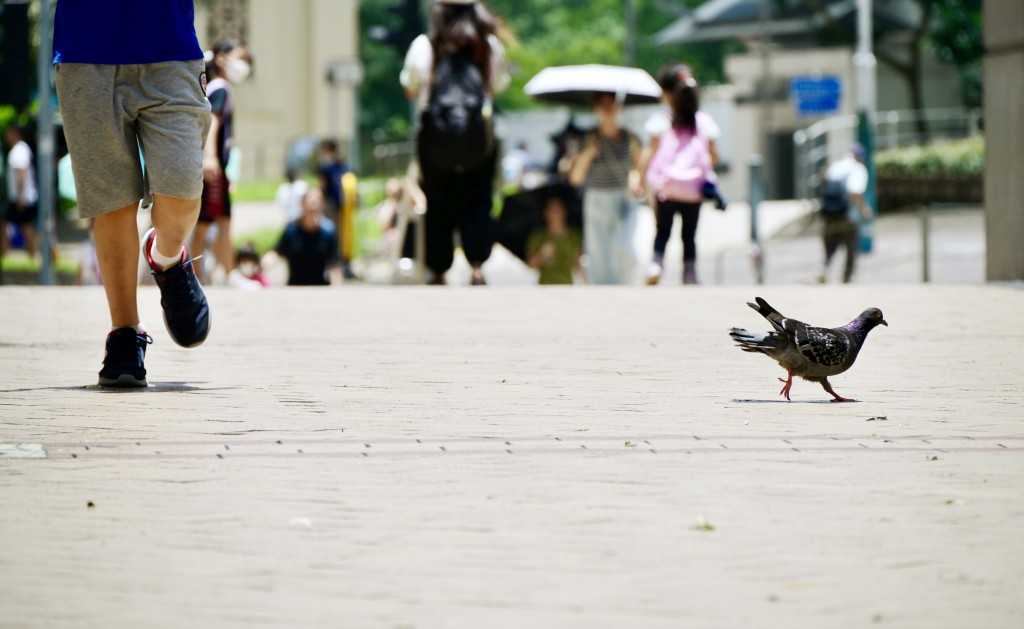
556, 248
247, 273
309, 245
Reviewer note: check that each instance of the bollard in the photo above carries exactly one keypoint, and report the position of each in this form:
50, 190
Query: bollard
925, 248
755, 197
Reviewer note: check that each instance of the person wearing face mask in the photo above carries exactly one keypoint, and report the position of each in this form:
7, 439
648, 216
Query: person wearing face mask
247, 273
228, 64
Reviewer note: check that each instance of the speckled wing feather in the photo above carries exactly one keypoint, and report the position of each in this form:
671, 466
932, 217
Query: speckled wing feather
826, 347
822, 346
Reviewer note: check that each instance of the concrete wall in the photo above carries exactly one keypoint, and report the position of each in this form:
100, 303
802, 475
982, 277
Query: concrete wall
288, 95
1004, 148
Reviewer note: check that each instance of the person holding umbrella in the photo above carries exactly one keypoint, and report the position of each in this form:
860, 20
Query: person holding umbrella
608, 166
454, 73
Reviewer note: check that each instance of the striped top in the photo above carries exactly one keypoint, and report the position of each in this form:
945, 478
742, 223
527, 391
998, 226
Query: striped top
610, 168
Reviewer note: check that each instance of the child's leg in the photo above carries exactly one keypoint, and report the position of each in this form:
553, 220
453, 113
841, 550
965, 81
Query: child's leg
664, 215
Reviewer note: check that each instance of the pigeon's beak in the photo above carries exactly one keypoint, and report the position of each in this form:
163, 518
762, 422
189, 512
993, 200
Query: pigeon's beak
882, 321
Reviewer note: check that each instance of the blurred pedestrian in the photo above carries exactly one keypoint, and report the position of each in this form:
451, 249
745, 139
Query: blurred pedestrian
309, 246
555, 249
454, 73
289, 195
228, 65
332, 174
678, 167
329, 172
22, 192
88, 264
843, 205
131, 81
607, 165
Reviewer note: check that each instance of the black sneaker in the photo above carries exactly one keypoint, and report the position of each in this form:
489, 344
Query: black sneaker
124, 361
186, 311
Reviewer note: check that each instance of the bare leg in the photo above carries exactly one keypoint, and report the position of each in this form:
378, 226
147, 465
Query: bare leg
28, 231
222, 246
197, 247
174, 220
838, 398
477, 274
117, 252
787, 386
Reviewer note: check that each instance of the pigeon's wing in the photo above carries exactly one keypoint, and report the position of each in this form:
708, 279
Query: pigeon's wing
823, 346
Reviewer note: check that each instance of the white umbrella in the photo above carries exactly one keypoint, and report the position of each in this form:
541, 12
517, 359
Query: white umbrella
577, 85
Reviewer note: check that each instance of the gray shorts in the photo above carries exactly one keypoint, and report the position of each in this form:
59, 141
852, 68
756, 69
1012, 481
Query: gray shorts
110, 112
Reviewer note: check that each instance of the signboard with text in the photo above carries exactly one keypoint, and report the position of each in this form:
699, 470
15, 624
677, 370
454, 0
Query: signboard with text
815, 95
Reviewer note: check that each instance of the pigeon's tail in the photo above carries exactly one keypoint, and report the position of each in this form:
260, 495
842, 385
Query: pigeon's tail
751, 341
764, 308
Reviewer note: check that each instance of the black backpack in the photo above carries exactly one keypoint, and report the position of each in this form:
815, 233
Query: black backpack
456, 132
835, 200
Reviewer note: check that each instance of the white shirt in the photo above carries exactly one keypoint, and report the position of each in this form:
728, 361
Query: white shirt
661, 121
850, 170
20, 158
419, 63
289, 198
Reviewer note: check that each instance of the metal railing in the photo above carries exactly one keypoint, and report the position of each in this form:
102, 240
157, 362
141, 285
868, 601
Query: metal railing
826, 140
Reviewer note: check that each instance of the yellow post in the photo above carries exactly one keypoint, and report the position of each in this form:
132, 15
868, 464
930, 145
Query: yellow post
347, 216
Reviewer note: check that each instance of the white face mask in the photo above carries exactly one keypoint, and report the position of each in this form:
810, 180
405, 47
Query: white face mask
236, 70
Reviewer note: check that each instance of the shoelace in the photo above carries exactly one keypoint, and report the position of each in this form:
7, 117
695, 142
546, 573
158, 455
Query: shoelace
180, 292
128, 341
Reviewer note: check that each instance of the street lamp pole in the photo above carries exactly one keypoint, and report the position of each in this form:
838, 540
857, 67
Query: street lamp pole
864, 65
45, 146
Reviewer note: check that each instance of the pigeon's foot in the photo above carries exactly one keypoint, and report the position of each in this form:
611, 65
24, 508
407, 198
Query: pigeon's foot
838, 398
788, 385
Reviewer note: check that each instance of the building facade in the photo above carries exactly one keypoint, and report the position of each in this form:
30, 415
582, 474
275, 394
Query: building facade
297, 46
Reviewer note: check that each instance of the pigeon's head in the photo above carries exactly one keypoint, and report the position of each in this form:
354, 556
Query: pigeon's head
872, 317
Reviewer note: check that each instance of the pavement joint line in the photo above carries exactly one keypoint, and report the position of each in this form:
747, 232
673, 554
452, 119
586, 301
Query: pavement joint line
442, 452
505, 440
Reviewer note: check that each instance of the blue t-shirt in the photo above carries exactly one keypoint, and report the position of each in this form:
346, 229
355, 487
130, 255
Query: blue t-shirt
115, 32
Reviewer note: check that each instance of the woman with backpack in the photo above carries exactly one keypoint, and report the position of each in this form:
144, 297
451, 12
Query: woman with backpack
454, 73
679, 167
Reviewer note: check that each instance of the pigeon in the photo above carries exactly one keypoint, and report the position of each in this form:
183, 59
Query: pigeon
811, 353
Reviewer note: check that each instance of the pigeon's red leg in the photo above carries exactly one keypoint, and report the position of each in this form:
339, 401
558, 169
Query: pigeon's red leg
788, 385
838, 398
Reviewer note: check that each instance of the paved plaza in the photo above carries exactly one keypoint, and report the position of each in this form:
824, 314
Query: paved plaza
414, 457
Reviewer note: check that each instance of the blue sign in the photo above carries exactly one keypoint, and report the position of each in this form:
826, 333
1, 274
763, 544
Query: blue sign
815, 95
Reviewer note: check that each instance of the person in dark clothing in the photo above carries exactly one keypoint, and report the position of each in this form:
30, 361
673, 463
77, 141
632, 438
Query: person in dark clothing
457, 199
310, 246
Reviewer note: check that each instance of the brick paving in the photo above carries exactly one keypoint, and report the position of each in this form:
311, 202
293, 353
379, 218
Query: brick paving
506, 457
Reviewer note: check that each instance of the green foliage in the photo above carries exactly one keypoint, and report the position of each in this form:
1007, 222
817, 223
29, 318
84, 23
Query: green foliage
24, 264
955, 37
949, 159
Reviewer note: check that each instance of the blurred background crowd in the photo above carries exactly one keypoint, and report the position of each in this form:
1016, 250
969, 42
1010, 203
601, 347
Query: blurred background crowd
325, 186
